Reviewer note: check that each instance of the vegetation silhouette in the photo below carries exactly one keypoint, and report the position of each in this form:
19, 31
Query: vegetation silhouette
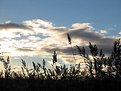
101, 73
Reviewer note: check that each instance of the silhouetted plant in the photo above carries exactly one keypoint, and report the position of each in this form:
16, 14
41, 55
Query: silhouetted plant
114, 61
70, 43
7, 67
100, 71
69, 38
54, 57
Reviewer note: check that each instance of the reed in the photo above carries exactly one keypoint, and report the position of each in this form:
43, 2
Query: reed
100, 72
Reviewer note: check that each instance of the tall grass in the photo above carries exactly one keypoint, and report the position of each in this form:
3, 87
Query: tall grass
101, 72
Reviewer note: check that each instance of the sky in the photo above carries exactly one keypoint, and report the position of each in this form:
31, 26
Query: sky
33, 29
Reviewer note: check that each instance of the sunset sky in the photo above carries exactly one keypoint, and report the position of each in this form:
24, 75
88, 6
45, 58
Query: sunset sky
33, 29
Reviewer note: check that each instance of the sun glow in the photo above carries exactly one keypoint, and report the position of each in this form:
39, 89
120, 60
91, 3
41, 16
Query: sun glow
5, 48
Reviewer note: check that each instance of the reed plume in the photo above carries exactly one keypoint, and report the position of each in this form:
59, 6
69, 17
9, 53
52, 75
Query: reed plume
69, 38
54, 57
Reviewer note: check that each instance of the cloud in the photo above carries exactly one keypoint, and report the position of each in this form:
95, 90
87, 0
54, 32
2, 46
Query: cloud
13, 30
7, 34
83, 26
119, 33
38, 23
90, 37
103, 31
40, 37
80, 33
34, 38
24, 50
9, 25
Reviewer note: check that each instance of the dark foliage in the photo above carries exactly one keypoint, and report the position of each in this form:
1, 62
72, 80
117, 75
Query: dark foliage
101, 73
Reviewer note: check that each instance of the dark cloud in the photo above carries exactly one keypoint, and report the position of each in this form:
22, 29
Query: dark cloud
24, 50
68, 51
14, 26
59, 29
90, 36
101, 41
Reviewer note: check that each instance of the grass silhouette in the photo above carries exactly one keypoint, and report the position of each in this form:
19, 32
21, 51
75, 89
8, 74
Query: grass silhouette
101, 73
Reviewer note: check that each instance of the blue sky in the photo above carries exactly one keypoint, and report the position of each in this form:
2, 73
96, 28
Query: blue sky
101, 13
38, 27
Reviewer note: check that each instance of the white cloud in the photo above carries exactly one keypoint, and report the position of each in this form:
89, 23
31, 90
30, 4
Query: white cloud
85, 26
119, 33
7, 34
103, 31
35, 23
34, 38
